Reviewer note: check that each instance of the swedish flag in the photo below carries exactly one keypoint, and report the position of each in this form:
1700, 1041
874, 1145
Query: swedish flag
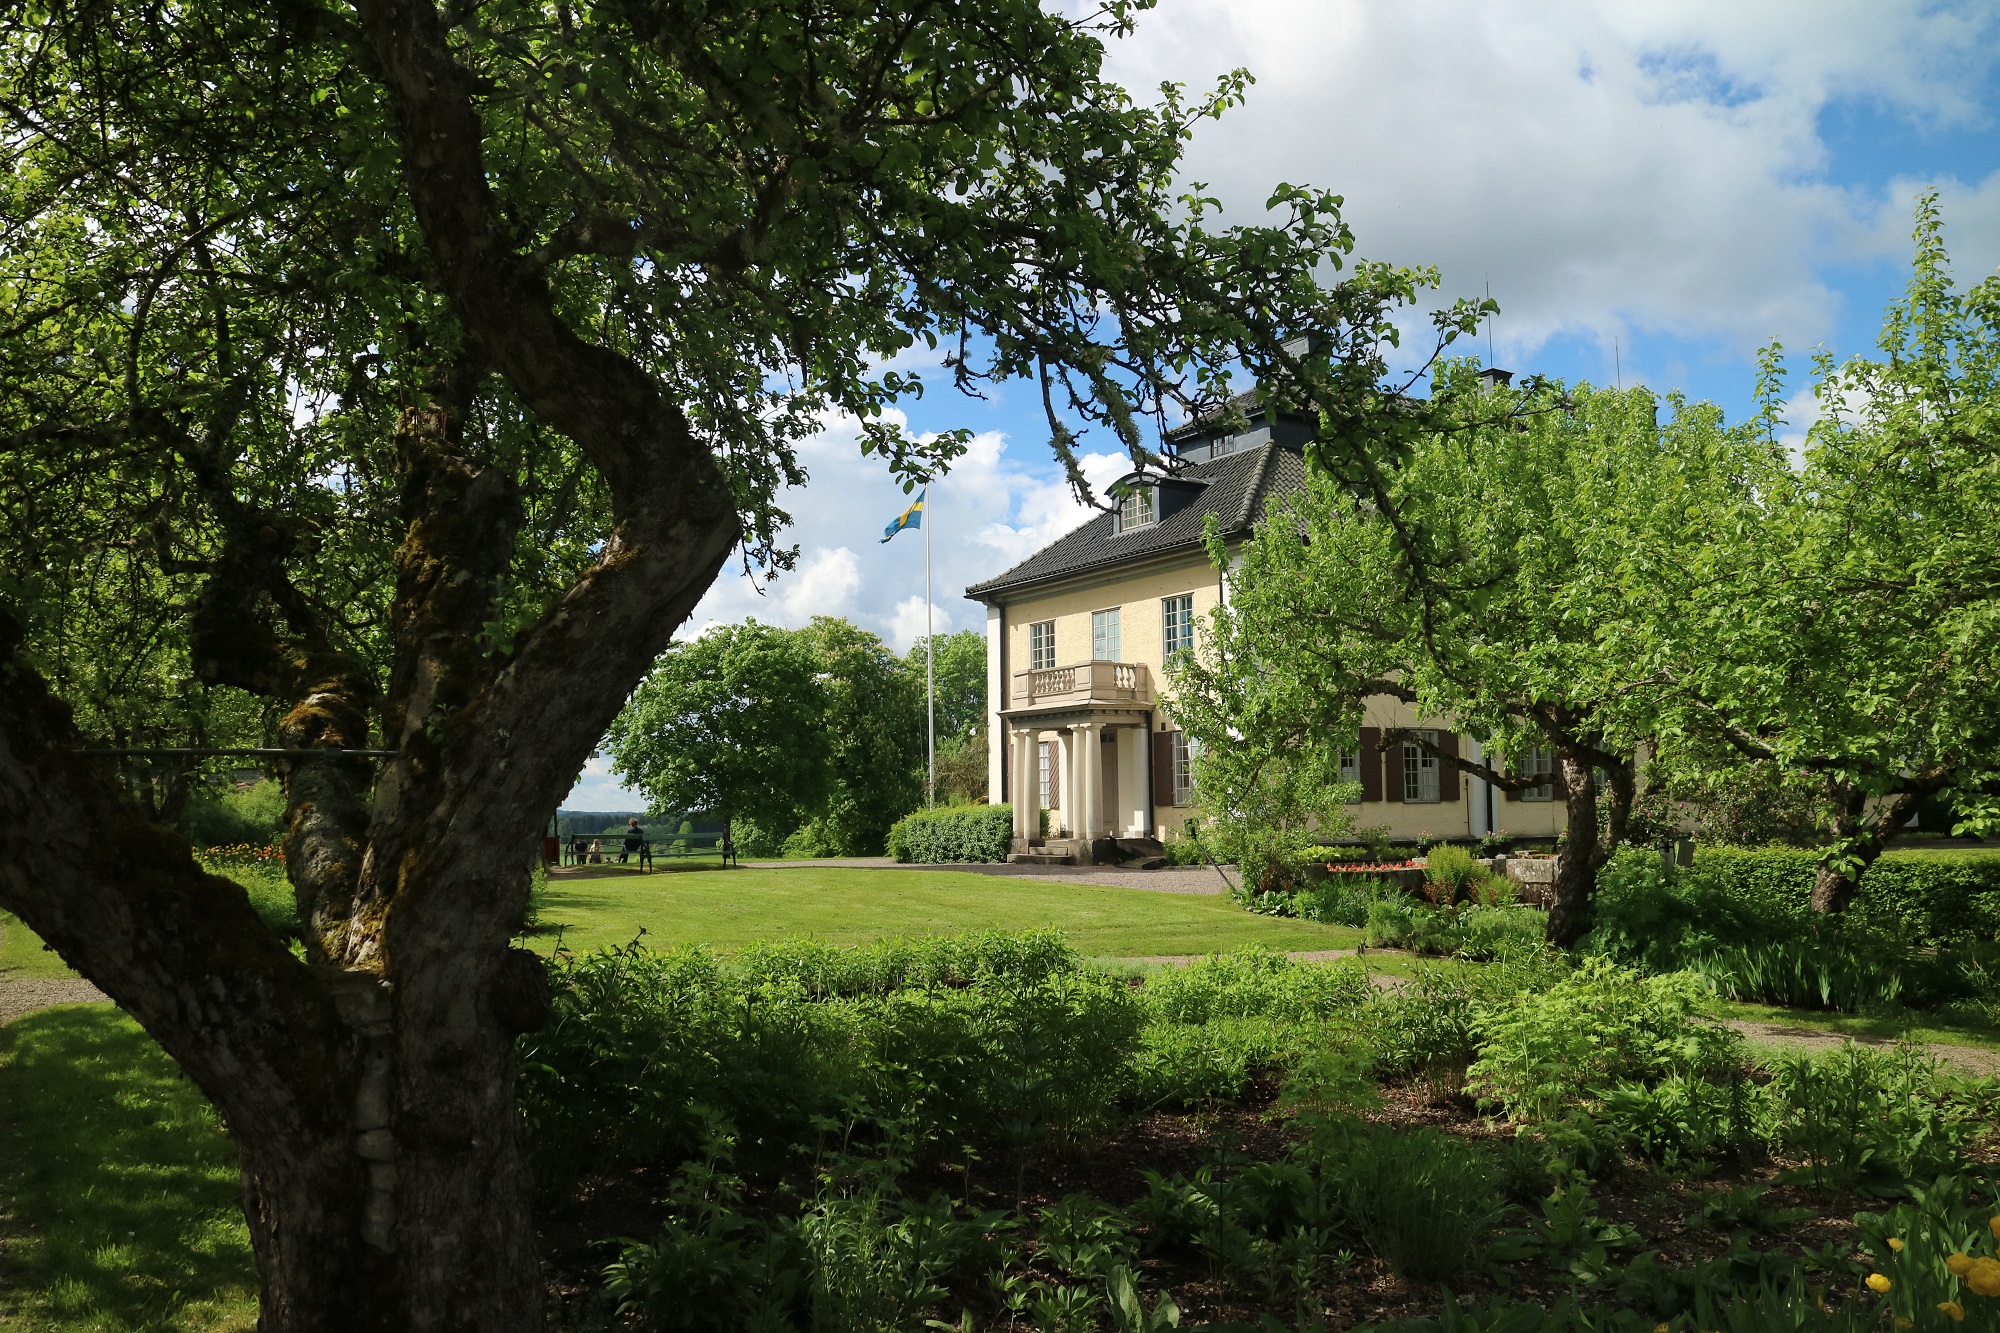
913, 517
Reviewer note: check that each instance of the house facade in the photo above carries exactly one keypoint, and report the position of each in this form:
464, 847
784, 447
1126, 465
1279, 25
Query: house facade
1078, 636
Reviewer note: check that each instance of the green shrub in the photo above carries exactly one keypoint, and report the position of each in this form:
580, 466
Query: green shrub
954, 833
1425, 1202
1933, 898
1855, 1115
1257, 983
1452, 874
1600, 1026
1724, 920
1465, 931
254, 815
942, 1043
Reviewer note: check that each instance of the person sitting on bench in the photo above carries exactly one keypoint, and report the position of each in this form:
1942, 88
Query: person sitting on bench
634, 840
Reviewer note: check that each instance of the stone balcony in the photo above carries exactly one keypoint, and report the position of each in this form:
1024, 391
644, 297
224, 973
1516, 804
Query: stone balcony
1113, 684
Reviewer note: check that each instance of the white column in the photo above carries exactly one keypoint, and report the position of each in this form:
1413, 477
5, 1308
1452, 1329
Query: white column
1027, 781
996, 699
1090, 823
1477, 800
1065, 762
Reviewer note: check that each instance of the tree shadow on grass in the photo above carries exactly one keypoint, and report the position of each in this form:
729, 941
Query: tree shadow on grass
119, 1205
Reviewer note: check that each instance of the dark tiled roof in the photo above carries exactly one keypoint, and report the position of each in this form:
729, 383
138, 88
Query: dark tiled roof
1211, 420
1238, 485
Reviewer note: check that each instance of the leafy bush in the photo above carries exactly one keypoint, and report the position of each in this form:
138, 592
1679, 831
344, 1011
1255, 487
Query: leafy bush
1451, 873
1749, 944
1466, 931
1856, 1115
1257, 984
1599, 1026
1933, 898
1219, 1023
1423, 1201
649, 1056
1683, 1117
954, 833
254, 815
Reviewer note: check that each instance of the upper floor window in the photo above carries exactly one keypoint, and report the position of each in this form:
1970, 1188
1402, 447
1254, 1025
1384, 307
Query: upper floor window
1420, 772
1139, 507
1176, 625
1104, 635
1541, 766
1041, 645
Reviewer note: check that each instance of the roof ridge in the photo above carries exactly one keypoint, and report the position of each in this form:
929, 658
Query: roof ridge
1247, 513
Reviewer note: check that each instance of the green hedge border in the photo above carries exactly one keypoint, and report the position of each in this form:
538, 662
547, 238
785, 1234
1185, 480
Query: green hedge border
953, 833
1938, 898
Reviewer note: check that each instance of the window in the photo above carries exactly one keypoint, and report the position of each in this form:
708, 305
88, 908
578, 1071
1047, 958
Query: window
1420, 772
1184, 752
1139, 507
1541, 766
1350, 771
1104, 635
1176, 626
1041, 645
1050, 794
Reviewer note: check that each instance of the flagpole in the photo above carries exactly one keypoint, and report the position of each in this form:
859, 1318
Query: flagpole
930, 668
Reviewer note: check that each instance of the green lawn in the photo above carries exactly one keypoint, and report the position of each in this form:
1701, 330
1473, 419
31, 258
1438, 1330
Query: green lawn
22, 954
121, 1207
732, 908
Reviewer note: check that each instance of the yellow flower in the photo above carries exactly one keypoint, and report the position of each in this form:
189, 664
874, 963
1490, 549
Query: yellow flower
1904, 1323
1984, 1276
1993, 1225
1876, 1282
1659, 1328
1952, 1311
1958, 1263
1895, 1245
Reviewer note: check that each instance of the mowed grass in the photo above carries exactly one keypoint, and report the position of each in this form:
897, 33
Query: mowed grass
119, 1206
22, 955
729, 909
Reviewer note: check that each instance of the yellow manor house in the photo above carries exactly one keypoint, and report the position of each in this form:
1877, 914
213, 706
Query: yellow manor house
1077, 635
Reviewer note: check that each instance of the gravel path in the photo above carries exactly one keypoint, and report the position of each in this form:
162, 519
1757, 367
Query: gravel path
24, 995
1967, 1059
28, 994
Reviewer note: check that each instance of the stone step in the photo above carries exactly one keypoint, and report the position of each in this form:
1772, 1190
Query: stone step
1040, 859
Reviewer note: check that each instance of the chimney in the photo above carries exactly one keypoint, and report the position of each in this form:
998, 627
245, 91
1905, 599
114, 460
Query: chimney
1496, 379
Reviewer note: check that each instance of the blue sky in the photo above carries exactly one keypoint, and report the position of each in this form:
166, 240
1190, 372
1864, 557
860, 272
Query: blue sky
1667, 184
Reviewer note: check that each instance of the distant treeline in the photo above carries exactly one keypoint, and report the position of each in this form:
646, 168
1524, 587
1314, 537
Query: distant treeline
604, 823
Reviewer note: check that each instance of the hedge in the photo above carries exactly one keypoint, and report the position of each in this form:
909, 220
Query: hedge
1937, 898
954, 833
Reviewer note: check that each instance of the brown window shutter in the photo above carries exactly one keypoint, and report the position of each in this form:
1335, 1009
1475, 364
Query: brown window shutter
1392, 772
1448, 742
1371, 763
1163, 768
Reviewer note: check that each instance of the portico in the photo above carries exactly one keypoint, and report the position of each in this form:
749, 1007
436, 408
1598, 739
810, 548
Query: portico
1092, 722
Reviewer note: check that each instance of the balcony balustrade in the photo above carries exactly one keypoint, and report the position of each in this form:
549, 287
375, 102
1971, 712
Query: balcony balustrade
1121, 684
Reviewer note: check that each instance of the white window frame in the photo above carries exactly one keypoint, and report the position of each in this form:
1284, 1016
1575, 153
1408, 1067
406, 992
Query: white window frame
1176, 626
1138, 508
1539, 763
1105, 645
1041, 645
1045, 752
1420, 773
1184, 751
1350, 771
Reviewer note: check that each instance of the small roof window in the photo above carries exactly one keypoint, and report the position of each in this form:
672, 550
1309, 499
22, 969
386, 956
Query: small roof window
1138, 506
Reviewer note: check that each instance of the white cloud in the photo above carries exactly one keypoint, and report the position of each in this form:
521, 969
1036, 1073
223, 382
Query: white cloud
1606, 164
993, 509
599, 789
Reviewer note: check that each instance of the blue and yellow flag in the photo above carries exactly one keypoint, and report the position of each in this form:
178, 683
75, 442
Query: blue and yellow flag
913, 517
